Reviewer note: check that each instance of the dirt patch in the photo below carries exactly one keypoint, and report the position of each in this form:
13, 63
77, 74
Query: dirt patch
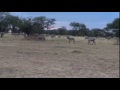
76, 51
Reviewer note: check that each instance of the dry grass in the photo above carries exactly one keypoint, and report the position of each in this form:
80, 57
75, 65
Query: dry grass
56, 58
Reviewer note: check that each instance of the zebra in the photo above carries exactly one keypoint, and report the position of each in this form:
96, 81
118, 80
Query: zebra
91, 39
117, 40
42, 37
15, 34
71, 39
108, 38
52, 36
47, 35
59, 36
2, 34
86, 37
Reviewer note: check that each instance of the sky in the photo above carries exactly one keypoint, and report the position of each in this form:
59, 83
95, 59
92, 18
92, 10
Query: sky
90, 19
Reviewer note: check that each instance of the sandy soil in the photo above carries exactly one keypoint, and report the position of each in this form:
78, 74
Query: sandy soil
56, 58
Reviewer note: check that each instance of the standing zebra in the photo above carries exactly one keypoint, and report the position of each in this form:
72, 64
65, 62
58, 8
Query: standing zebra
108, 38
117, 40
71, 39
91, 39
59, 36
86, 37
52, 36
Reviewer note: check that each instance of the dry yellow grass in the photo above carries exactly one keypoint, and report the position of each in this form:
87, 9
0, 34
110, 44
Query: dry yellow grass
56, 58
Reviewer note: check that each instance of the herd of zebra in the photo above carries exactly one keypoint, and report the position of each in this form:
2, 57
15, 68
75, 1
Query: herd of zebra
42, 37
91, 40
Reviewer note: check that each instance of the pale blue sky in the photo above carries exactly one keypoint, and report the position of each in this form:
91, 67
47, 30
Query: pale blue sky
90, 19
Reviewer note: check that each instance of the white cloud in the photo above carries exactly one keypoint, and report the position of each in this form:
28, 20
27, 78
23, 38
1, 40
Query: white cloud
89, 25
62, 23
92, 25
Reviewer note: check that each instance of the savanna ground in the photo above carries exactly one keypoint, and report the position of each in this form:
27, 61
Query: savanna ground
56, 58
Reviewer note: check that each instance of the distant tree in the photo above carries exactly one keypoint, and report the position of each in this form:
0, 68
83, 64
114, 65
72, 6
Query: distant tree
26, 26
74, 32
3, 23
3, 15
49, 23
75, 25
97, 32
80, 29
62, 30
113, 27
14, 22
51, 32
36, 25
83, 32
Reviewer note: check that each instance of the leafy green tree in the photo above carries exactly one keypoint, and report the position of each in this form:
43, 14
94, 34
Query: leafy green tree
14, 22
75, 25
62, 30
80, 29
49, 23
114, 27
3, 24
36, 25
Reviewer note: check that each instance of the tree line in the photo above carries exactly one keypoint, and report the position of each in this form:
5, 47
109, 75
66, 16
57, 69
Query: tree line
42, 25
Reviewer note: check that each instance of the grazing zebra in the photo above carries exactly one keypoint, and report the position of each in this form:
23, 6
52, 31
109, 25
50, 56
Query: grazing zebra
25, 35
91, 39
2, 34
52, 36
71, 39
108, 38
15, 34
47, 35
118, 40
41, 37
59, 36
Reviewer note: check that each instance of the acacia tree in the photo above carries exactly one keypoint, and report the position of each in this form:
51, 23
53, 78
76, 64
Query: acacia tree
3, 15
113, 27
75, 25
3, 24
96, 32
14, 22
62, 30
49, 23
36, 25
79, 28
41, 23
26, 26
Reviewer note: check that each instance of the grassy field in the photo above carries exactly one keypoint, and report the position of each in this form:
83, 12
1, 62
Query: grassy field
56, 58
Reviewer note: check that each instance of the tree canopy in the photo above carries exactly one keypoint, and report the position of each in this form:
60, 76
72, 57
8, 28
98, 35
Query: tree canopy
42, 24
